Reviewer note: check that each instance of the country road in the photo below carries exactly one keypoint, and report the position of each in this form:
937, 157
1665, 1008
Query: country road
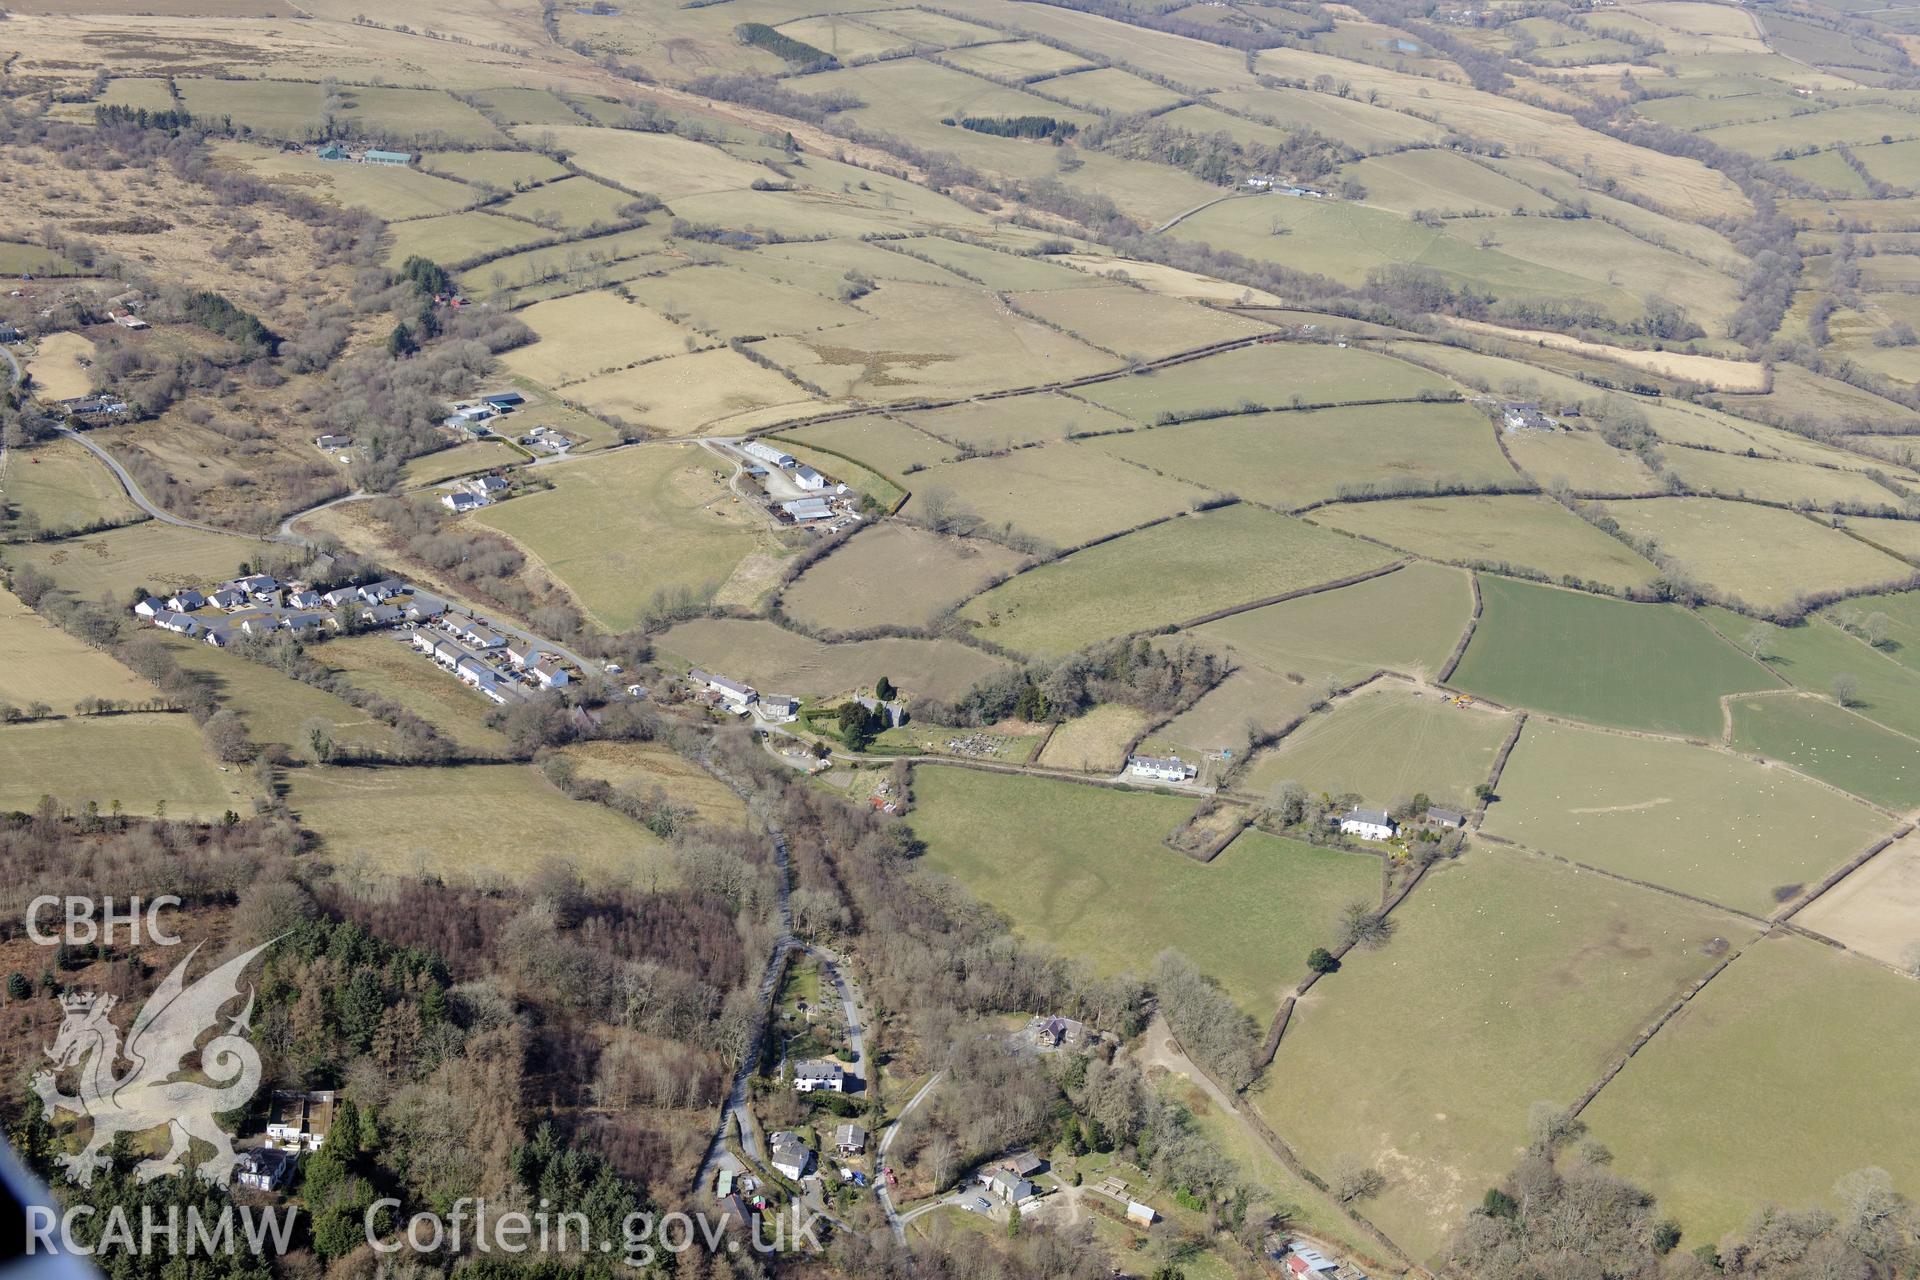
894, 1220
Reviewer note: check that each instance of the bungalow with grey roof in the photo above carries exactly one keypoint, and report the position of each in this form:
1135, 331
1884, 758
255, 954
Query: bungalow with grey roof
460, 501
185, 601
149, 607
425, 608
304, 600
849, 1139
340, 596
228, 598
179, 623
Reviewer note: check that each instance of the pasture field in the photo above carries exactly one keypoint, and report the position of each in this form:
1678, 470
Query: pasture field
277, 708
505, 169
1798, 391
1497, 531
1110, 89
1634, 666
1734, 476
160, 558
1815, 653
1290, 459
1362, 126
1278, 374
781, 661
59, 485
470, 824
822, 265
1684, 1127
1063, 494
1763, 555
669, 166
1386, 743
1876, 909
1017, 420
620, 529
527, 106
148, 762
1832, 744
142, 93
390, 192
380, 663
422, 115
20, 259
618, 333
1133, 321
571, 204
1014, 59
1486, 372
1444, 180
995, 269
1340, 631
1704, 822
1520, 980
1581, 461
1096, 742
728, 302
461, 459
923, 340
278, 108
456, 238
1084, 869
1164, 575
554, 270
1899, 615
682, 395
883, 444
56, 366
843, 37
642, 766
1177, 283
1223, 718
41, 663
894, 574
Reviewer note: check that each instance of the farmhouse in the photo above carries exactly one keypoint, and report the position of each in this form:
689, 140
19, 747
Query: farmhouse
819, 1073
1525, 417
387, 157
1368, 824
265, 1168
1050, 1033
1010, 1186
769, 453
849, 1139
791, 1156
735, 693
809, 479
300, 1120
460, 501
1161, 768
778, 707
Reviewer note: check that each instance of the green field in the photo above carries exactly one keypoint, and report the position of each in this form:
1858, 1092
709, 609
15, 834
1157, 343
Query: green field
277, 708
1816, 653
894, 574
571, 204
1704, 822
1832, 744
1385, 744
161, 558
377, 663
1162, 576
641, 766
1082, 869
1016, 420
455, 238
1290, 459
59, 485
504, 169
145, 762
1062, 494
616, 530
1732, 475
1581, 461
473, 824
616, 332
1279, 374
1636, 666
1134, 322
278, 108
460, 460
1694, 1133
1497, 531
41, 663
884, 444
390, 192
1509, 981
781, 661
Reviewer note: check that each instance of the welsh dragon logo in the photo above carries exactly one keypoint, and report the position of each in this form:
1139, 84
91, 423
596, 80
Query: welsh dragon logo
149, 1095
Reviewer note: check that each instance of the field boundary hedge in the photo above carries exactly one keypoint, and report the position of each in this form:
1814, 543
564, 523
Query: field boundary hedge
1466, 636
